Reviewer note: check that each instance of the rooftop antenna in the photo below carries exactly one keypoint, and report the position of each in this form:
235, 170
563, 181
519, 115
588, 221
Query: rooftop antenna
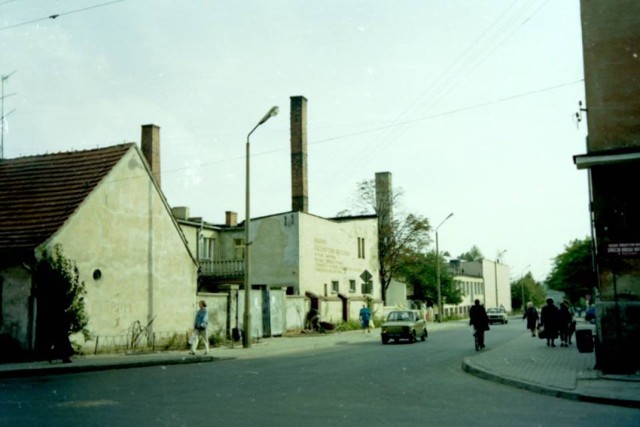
579, 113
3, 116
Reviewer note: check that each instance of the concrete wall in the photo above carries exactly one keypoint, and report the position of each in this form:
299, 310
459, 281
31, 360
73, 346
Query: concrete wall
329, 252
124, 230
308, 253
612, 72
217, 306
16, 292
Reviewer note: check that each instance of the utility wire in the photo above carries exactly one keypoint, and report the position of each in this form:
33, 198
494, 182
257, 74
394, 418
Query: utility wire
392, 125
57, 15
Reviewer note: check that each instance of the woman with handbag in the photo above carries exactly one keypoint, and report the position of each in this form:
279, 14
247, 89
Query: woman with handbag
531, 314
549, 320
200, 326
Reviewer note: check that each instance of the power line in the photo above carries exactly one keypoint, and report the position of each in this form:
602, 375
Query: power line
397, 124
57, 15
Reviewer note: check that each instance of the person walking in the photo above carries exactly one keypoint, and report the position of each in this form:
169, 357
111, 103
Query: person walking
365, 318
531, 314
480, 321
200, 327
564, 324
549, 321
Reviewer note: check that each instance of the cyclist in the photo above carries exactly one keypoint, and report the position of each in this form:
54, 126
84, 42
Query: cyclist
480, 321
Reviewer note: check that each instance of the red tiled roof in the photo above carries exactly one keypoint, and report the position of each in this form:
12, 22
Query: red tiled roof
39, 193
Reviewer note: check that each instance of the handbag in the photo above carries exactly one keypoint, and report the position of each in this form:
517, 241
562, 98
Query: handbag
541, 333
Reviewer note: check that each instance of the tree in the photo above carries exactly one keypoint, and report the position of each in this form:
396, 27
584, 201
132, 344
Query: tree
61, 308
573, 272
472, 254
398, 236
533, 291
419, 271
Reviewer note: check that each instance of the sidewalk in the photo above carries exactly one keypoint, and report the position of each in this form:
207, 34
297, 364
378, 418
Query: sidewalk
524, 362
528, 363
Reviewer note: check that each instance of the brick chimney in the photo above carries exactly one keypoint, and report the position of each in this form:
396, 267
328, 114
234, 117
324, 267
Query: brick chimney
384, 198
231, 218
150, 142
299, 186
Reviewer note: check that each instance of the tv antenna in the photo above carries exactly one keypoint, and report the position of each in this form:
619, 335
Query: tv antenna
579, 113
3, 116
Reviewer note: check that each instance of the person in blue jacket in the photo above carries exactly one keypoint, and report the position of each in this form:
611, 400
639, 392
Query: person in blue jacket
365, 318
200, 328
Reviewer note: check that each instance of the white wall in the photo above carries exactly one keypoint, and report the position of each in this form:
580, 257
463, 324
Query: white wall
125, 230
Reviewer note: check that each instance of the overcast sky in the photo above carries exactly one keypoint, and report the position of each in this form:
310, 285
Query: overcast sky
469, 104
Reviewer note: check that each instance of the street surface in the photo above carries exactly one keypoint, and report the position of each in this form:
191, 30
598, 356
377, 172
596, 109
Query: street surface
351, 384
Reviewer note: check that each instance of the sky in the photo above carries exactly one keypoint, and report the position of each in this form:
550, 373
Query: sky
470, 105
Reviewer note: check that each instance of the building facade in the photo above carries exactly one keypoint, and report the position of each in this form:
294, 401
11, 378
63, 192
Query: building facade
108, 215
611, 36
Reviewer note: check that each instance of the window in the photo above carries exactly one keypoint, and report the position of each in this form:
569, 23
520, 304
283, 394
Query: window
238, 248
352, 285
361, 247
335, 287
206, 249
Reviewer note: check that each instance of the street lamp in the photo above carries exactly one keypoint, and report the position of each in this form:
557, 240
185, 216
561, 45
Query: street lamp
438, 269
495, 270
246, 336
522, 284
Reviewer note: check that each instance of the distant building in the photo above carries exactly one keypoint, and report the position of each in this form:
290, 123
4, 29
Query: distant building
331, 262
486, 280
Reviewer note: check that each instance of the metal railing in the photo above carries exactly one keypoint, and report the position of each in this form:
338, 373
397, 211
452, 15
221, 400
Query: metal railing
233, 268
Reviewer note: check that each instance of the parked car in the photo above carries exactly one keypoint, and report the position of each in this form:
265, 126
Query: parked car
497, 315
404, 324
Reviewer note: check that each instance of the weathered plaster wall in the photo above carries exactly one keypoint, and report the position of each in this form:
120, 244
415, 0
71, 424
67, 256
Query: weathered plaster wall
16, 289
125, 231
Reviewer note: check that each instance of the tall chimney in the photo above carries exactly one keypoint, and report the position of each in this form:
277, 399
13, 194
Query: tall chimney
299, 191
384, 198
150, 142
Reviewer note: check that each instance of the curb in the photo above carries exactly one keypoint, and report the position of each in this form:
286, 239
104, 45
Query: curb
80, 368
473, 369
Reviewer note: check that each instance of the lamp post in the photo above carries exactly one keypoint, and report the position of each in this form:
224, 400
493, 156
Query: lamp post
522, 284
438, 269
495, 270
246, 336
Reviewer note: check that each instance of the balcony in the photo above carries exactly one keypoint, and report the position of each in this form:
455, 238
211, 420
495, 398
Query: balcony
233, 268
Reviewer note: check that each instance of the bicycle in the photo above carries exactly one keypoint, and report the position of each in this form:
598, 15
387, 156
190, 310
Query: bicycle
478, 339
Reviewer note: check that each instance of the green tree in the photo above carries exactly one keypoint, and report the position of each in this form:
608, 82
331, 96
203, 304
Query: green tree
573, 272
61, 308
398, 235
473, 254
533, 291
419, 271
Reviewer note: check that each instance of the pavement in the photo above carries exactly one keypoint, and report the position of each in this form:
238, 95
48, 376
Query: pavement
524, 362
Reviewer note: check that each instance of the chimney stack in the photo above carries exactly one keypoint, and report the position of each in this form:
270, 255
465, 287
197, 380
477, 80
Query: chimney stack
384, 198
150, 142
231, 218
299, 192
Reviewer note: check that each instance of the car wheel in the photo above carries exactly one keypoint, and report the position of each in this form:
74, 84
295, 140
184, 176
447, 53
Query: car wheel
385, 340
424, 335
413, 338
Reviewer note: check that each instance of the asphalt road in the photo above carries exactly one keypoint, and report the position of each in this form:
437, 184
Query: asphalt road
352, 384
